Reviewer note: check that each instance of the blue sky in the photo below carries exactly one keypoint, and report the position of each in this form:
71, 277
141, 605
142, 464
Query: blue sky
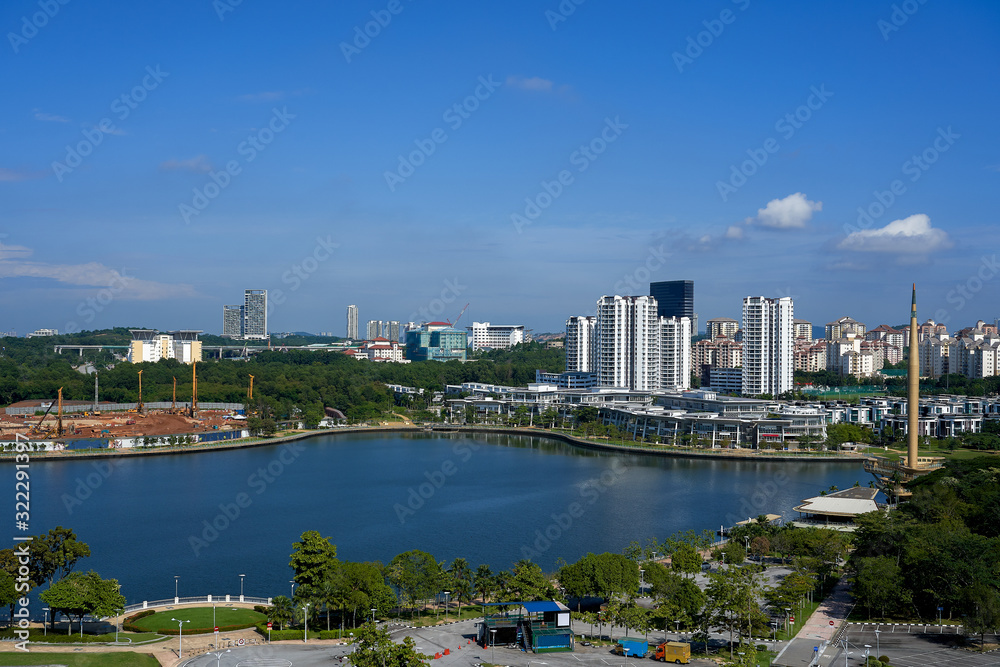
594, 147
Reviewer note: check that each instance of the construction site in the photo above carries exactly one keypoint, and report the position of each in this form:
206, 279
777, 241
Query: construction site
95, 424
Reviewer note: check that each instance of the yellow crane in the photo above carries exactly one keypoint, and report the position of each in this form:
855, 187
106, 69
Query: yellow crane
139, 407
59, 426
250, 390
194, 389
173, 407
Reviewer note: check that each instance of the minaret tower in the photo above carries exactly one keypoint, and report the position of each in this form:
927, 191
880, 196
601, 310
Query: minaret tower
913, 385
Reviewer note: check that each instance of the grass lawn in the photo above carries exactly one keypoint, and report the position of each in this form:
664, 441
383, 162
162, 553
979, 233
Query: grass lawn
50, 637
897, 454
428, 617
200, 619
126, 659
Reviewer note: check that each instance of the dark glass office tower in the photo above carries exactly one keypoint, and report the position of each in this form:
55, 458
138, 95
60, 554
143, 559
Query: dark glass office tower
674, 298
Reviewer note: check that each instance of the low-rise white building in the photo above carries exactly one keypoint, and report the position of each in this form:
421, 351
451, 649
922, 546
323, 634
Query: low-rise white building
486, 336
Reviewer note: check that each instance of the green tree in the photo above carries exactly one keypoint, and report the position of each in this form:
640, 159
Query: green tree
79, 594
281, 611
483, 581
878, 584
460, 580
55, 554
528, 583
8, 594
375, 648
314, 558
983, 604
415, 574
686, 559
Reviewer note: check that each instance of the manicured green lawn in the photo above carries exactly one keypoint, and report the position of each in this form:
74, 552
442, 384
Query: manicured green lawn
200, 619
62, 638
124, 659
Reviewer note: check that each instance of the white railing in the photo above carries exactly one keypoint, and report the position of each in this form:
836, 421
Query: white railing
203, 599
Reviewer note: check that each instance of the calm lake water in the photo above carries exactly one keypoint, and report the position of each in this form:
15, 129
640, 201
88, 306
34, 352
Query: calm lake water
210, 517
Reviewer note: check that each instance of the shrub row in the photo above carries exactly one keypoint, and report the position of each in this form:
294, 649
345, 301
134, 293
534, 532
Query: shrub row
280, 635
204, 631
127, 624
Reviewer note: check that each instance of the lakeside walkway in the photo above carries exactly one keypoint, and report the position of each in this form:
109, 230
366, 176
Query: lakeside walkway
813, 645
563, 436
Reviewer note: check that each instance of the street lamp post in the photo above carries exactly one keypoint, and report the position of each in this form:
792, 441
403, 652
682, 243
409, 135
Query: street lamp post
677, 624
45, 622
305, 620
642, 583
176, 577
292, 582
625, 651
180, 637
788, 613
493, 645
877, 648
373, 615
218, 656
446, 594
241, 587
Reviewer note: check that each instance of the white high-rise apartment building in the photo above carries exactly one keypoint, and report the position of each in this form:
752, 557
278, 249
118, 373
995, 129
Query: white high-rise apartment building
675, 353
232, 321
486, 336
393, 332
375, 329
255, 314
628, 342
352, 322
580, 348
768, 348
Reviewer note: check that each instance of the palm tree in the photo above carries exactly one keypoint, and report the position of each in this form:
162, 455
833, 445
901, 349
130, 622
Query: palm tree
282, 611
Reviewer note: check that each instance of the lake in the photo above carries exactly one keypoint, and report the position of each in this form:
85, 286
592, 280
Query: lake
209, 517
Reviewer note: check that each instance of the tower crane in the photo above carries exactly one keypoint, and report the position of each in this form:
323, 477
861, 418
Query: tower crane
459, 316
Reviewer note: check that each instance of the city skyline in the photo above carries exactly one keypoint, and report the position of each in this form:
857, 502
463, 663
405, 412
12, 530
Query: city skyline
531, 158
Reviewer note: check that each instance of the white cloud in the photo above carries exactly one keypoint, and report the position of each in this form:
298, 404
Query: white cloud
734, 232
792, 212
91, 274
50, 117
535, 84
909, 236
17, 175
198, 164
267, 96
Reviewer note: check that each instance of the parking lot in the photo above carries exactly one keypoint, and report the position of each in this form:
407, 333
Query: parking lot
458, 638
910, 646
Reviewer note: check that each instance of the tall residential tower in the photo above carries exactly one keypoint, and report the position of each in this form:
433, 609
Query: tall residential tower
768, 350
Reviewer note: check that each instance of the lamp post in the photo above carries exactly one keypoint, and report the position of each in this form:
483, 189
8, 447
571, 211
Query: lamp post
373, 615
176, 578
625, 651
45, 622
292, 582
788, 612
218, 656
241, 587
877, 649
747, 539
305, 620
180, 637
493, 645
446, 594
677, 624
